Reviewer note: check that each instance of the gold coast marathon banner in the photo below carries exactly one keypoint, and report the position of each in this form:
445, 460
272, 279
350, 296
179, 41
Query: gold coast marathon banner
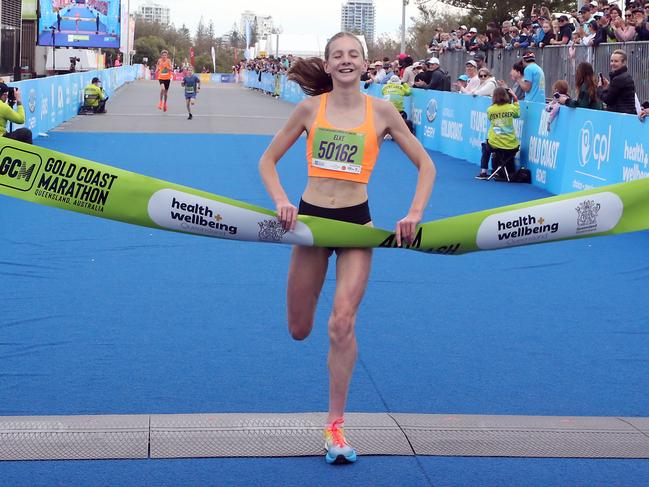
64, 181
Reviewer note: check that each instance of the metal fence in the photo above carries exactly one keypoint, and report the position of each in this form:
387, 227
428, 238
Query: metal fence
560, 62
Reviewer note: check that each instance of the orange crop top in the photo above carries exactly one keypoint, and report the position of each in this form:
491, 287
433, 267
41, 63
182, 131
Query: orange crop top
348, 154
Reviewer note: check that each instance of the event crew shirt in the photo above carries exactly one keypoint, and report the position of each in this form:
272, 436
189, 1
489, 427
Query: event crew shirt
8, 114
502, 134
535, 76
394, 93
165, 70
92, 94
191, 84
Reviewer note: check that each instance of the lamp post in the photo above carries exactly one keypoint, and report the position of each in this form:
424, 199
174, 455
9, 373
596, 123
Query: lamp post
53, 48
403, 26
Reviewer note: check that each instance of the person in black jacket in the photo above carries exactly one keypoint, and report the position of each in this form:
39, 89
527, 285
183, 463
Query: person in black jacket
619, 92
438, 78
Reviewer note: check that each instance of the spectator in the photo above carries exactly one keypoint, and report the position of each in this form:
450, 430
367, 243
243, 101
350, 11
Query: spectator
592, 30
434, 46
619, 92
501, 137
533, 79
586, 87
462, 80
559, 90
392, 69
380, 71
585, 16
487, 83
514, 38
9, 97
472, 72
409, 72
405, 63
641, 25
518, 70
622, 30
394, 91
602, 35
470, 40
507, 36
422, 80
548, 34
494, 36
565, 32
643, 113
438, 79
479, 59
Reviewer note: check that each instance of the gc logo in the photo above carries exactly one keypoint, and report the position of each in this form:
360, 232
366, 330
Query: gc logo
431, 110
594, 144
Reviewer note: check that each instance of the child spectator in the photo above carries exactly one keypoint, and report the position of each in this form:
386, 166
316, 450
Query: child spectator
559, 90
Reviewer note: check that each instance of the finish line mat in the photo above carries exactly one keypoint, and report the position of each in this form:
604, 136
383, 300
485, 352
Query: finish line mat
64, 181
300, 434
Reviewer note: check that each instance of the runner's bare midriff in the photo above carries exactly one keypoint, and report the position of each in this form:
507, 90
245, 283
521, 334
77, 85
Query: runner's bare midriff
334, 193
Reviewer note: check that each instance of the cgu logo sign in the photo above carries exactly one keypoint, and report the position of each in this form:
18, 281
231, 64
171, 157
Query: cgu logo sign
18, 168
594, 145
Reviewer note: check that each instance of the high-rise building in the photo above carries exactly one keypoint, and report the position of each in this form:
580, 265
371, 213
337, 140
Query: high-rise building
265, 24
358, 16
154, 12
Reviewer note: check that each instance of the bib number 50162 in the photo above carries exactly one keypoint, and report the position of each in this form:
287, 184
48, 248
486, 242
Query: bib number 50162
337, 152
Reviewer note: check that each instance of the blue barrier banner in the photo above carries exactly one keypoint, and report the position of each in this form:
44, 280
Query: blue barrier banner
223, 78
581, 149
53, 100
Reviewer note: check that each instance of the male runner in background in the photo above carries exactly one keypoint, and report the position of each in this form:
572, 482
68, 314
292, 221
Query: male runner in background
164, 72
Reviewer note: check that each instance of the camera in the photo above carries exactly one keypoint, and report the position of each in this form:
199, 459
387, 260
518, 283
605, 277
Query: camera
73, 62
556, 95
11, 93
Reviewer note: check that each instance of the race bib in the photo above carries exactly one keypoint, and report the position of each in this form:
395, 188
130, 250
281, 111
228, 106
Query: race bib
189, 88
338, 150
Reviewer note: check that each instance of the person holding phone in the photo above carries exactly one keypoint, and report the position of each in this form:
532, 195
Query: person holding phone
586, 87
619, 92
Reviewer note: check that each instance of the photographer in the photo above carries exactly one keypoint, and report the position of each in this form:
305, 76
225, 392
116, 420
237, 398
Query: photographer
95, 97
9, 96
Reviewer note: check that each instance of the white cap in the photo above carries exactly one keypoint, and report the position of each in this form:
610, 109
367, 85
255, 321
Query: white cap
433, 60
473, 29
394, 79
463, 27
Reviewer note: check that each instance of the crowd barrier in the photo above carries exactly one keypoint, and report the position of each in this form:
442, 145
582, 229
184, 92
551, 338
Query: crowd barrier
581, 149
51, 101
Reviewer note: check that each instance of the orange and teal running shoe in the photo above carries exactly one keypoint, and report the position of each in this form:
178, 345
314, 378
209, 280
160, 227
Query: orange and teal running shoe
338, 450
160, 106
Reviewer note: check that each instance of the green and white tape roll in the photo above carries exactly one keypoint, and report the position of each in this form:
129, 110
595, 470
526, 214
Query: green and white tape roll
55, 179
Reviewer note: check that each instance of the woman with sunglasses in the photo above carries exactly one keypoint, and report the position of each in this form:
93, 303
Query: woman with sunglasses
487, 83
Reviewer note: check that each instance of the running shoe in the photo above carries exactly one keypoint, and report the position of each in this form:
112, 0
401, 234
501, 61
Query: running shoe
190, 116
338, 450
160, 106
164, 107
482, 175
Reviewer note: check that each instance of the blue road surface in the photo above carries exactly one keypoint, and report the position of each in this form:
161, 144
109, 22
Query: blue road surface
101, 317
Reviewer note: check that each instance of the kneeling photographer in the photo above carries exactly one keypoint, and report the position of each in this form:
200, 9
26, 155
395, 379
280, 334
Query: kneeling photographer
10, 96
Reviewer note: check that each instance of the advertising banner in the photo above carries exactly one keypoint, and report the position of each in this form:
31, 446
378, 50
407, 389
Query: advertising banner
53, 100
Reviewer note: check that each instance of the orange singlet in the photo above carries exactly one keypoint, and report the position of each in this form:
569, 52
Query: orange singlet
164, 69
348, 154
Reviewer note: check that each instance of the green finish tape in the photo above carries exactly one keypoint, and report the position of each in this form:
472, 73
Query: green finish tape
55, 179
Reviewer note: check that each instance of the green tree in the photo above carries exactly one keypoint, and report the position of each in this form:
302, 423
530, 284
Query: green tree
149, 47
484, 11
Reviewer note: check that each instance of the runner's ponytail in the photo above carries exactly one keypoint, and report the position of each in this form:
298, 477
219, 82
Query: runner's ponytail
310, 74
